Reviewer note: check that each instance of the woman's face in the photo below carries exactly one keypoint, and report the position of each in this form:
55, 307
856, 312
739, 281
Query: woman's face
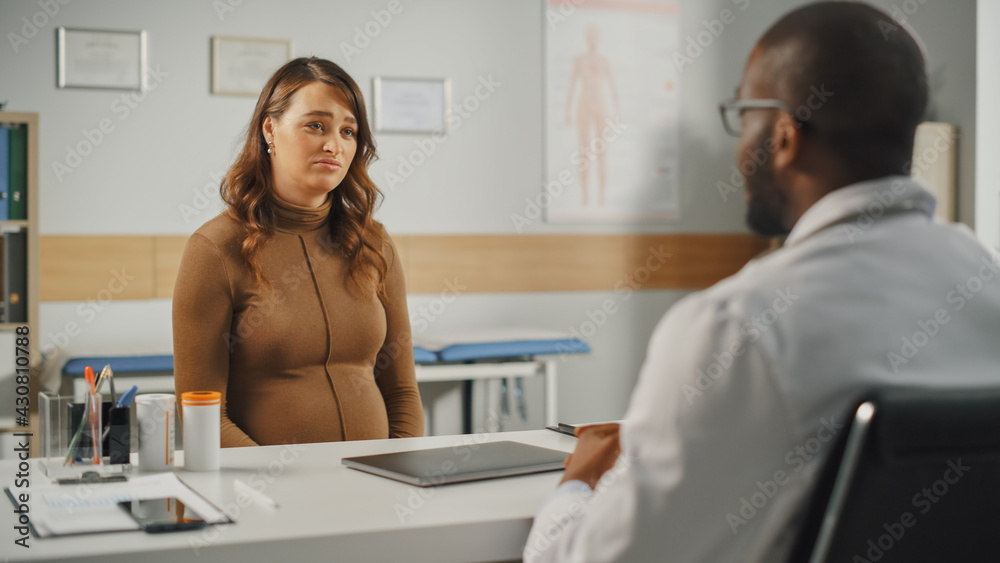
313, 144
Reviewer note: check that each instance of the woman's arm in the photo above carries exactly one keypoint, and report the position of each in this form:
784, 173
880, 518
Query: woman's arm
202, 318
394, 371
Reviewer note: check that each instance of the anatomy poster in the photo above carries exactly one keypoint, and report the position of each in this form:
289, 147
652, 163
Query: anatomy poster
611, 111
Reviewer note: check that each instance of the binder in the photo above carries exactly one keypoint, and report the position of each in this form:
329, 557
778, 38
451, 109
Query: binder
15, 276
18, 173
3, 306
4, 173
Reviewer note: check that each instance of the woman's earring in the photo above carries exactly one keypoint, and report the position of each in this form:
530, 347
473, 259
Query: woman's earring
270, 148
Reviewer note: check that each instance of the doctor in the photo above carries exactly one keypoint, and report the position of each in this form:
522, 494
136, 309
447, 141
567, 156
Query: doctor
746, 384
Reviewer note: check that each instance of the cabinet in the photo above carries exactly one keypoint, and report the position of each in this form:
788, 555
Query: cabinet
19, 262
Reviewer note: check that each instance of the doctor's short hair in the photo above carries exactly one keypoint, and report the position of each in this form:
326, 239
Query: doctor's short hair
856, 78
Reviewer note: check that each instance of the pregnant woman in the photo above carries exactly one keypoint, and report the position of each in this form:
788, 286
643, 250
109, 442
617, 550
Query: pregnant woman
292, 302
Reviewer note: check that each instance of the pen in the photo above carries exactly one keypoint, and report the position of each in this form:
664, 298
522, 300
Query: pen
126, 398
111, 381
93, 405
107, 374
88, 375
254, 494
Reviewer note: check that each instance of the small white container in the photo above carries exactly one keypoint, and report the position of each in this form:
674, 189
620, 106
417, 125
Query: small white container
155, 414
202, 432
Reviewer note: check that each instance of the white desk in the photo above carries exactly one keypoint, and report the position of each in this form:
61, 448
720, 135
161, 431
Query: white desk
327, 511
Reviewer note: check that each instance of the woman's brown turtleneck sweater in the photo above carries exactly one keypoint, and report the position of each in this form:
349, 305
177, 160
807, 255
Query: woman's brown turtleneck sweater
310, 359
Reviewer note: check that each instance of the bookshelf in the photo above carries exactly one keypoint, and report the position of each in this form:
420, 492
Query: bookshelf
29, 225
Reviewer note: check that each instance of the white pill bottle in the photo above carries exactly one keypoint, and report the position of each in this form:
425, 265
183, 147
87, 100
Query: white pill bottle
202, 440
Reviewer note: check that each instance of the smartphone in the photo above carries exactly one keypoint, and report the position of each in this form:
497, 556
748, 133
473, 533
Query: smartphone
167, 514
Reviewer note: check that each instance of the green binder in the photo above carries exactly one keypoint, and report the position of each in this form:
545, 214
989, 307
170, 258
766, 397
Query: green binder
19, 173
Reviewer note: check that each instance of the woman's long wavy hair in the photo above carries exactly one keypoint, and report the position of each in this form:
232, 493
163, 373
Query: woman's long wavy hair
247, 187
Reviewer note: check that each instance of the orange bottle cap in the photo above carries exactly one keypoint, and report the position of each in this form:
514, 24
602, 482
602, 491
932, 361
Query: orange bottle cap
201, 398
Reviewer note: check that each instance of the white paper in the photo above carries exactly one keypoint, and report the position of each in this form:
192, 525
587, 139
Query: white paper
410, 106
100, 59
243, 66
91, 508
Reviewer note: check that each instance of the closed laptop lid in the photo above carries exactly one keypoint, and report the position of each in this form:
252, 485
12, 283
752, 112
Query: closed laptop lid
456, 464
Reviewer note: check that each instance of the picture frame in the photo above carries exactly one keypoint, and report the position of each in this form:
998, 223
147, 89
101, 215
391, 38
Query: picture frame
241, 66
100, 59
411, 105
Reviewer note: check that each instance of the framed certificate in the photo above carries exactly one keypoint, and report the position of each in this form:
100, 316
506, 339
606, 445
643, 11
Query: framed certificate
411, 105
90, 58
242, 65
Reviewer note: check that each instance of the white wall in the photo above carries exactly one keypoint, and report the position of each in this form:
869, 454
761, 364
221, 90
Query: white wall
988, 113
164, 152
170, 145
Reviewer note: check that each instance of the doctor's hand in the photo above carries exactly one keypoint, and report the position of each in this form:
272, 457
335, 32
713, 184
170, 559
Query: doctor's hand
596, 452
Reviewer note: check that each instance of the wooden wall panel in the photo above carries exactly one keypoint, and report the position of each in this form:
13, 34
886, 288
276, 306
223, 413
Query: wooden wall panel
167, 251
76, 268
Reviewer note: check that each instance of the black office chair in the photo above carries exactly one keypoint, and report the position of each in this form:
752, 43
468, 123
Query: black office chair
916, 479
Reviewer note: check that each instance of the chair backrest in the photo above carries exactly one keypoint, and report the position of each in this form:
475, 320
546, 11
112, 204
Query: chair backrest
917, 478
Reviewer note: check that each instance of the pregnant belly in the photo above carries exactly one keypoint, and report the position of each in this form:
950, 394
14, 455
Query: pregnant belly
310, 409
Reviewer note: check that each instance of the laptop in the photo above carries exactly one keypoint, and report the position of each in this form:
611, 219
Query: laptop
458, 464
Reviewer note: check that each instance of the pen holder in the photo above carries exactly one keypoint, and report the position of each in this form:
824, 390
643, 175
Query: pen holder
116, 432
64, 455
119, 439
69, 447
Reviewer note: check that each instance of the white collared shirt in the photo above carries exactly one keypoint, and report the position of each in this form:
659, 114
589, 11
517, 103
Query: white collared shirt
746, 384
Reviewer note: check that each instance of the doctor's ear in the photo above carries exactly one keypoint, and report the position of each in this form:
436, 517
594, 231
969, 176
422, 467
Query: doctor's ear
787, 140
